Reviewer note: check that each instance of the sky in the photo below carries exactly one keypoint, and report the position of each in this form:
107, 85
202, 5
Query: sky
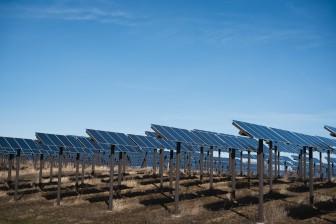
122, 65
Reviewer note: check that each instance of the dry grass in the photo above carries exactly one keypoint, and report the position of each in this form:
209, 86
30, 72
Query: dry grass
274, 212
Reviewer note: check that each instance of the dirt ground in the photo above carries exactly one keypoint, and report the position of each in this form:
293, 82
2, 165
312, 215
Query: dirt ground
141, 200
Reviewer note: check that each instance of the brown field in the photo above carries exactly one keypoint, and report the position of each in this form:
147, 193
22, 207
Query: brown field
141, 201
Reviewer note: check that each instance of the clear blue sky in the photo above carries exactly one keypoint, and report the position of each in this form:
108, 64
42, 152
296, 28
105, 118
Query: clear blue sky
121, 65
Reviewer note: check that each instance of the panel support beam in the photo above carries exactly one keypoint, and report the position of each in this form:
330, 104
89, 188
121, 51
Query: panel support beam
249, 168
171, 156
60, 156
40, 174
270, 166
110, 204
17, 175
161, 169
201, 163
260, 155
329, 166
77, 171
233, 174
177, 180
320, 167
311, 178
211, 168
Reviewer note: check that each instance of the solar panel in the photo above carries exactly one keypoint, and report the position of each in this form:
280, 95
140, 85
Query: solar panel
258, 131
332, 130
177, 134
13, 145
289, 136
5, 148
106, 138
278, 135
248, 143
69, 143
231, 141
210, 139
330, 142
150, 134
145, 142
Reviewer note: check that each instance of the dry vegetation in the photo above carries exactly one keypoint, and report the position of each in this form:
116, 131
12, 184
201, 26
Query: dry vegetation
141, 201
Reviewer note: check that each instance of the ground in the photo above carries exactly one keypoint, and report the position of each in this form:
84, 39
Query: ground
141, 201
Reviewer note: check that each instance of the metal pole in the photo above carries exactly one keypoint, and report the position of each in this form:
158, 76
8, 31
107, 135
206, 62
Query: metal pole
270, 166
304, 165
93, 167
211, 167
241, 163
261, 181
40, 175
178, 151
51, 168
329, 166
219, 162
233, 174
161, 169
229, 167
110, 205
275, 162
300, 165
119, 172
77, 170
83, 172
59, 175
171, 156
154, 162
10, 164
278, 163
17, 175
201, 163
124, 164
311, 179
320, 170
248, 167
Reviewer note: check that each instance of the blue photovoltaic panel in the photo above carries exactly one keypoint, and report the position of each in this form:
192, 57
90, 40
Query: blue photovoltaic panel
14, 145
96, 136
5, 147
332, 130
44, 139
25, 149
289, 136
312, 141
177, 134
248, 143
290, 148
106, 138
210, 138
231, 141
145, 142
69, 146
89, 144
33, 146
330, 142
258, 131
150, 134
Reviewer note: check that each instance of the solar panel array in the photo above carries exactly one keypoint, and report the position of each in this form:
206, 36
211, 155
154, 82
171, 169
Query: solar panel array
283, 136
14, 145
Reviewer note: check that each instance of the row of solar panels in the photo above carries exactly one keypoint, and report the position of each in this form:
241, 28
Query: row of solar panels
204, 138
284, 136
162, 137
